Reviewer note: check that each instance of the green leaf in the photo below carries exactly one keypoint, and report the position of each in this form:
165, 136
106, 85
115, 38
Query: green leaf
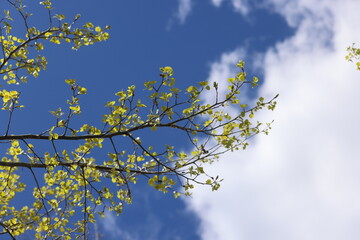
70, 81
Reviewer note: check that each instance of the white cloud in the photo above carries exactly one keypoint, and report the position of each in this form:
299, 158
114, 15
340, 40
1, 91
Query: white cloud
182, 13
217, 3
241, 6
301, 181
111, 227
184, 10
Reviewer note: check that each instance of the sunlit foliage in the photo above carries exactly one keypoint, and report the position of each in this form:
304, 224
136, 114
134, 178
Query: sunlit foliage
353, 55
69, 185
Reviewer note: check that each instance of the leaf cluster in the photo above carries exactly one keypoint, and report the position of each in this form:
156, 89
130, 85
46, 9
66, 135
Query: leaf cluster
353, 55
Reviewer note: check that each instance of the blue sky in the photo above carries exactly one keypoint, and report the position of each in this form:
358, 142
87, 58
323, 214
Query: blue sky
298, 183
